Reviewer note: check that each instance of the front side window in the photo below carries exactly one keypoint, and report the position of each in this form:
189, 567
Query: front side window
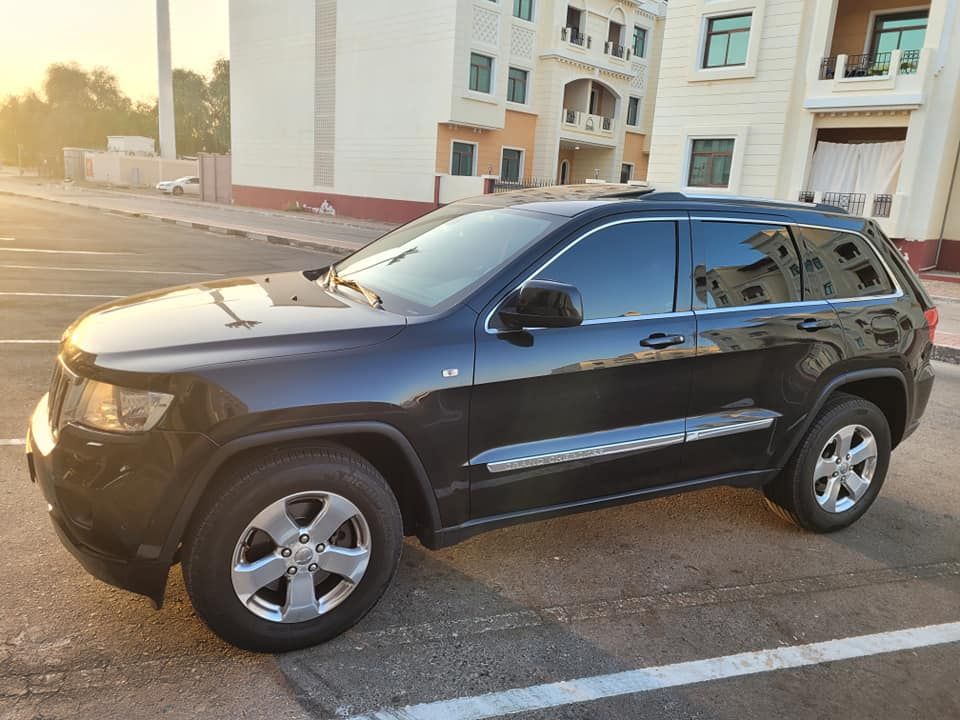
840, 265
622, 270
481, 71
523, 9
710, 162
900, 31
740, 264
639, 41
517, 85
633, 112
726, 41
430, 264
511, 163
461, 158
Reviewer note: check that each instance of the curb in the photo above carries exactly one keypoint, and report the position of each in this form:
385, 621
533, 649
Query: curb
946, 353
286, 240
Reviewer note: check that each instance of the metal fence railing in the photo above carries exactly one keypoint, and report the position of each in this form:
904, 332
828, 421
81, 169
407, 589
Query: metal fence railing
505, 185
882, 205
853, 203
909, 60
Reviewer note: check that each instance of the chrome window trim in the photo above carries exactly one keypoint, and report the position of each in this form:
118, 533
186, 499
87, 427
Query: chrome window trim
651, 443
594, 321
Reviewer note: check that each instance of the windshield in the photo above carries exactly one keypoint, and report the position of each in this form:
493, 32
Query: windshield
431, 263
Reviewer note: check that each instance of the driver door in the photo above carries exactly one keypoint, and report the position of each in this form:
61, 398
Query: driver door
564, 415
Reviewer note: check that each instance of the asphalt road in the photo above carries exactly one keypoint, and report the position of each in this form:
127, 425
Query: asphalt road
699, 576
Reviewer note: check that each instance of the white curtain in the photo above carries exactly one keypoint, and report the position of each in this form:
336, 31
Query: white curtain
871, 168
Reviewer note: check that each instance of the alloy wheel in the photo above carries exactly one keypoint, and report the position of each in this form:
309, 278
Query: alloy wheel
300, 557
845, 468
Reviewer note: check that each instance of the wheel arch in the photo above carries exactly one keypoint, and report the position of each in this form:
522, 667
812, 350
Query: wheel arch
381, 444
884, 387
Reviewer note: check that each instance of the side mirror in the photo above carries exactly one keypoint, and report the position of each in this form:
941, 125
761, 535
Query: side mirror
542, 304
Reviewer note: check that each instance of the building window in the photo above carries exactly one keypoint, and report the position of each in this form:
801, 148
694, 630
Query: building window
461, 158
523, 9
710, 162
511, 165
900, 31
726, 41
517, 85
626, 172
481, 71
633, 112
639, 41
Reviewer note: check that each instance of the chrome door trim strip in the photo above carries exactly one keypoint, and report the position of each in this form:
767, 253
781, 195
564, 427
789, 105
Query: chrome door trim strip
674, 218
732, 429
748, 423
585, 453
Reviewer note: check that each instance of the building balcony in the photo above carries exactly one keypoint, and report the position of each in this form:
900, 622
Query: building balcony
579, 121
575, 37
890, 80
616, 50
880, 207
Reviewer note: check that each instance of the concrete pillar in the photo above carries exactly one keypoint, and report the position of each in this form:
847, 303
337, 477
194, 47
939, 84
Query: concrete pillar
168, 133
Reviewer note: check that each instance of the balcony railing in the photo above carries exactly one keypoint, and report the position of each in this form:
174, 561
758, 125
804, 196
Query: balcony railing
575, 36
585, 122
871, 64
853, 203
617, 50
503, 185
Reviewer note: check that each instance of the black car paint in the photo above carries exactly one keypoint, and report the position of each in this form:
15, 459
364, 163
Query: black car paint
263, 360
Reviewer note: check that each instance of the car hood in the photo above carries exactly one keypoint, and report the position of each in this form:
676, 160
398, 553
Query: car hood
222, 321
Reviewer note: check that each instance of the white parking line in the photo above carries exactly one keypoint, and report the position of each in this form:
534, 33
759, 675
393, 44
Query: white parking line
13, 441
62, 252
66, 295
598, 687
114, 270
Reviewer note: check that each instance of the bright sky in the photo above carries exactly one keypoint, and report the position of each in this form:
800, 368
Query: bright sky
117, 34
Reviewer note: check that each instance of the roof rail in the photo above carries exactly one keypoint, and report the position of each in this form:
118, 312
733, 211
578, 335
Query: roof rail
673, 196
634, 193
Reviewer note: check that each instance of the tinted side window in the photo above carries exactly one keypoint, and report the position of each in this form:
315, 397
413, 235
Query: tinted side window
840, 265
744, 264
626, 269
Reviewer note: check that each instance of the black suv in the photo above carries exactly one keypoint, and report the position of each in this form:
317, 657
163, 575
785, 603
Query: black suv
504, 359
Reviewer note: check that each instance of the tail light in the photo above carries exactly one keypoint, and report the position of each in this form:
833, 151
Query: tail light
933, 318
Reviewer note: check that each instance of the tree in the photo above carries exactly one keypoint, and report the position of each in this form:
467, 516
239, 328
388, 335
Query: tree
218, 98
191, 112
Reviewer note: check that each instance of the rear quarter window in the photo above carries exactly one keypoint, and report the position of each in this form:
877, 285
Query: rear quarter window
839, 265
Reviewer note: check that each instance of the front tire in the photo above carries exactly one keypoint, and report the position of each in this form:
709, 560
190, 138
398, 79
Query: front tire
300, 545
837, 471
178, 191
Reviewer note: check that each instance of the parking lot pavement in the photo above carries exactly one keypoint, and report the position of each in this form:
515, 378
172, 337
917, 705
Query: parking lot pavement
582, 599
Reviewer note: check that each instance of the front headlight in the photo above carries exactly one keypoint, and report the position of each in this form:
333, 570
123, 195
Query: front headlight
118, 409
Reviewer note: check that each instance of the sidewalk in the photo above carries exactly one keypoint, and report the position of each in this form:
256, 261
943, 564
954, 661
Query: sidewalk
946, 295
289, 228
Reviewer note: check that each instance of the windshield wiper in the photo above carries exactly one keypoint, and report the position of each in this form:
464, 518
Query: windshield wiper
332, 280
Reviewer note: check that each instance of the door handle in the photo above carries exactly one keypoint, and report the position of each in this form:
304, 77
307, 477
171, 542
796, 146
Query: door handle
661, 340
812, 324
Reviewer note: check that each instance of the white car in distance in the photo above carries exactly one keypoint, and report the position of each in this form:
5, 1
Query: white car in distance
189, 185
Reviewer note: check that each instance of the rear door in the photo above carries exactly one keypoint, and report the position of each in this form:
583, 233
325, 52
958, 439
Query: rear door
567, 414
761, 349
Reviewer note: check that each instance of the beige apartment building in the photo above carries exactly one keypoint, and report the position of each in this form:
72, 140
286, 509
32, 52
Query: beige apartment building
850, 102
385, 109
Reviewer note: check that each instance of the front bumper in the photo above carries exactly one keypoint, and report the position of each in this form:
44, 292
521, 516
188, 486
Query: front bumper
112, 498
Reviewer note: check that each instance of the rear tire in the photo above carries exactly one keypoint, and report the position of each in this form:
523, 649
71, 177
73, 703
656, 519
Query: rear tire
826, 487
178, 191
291, 491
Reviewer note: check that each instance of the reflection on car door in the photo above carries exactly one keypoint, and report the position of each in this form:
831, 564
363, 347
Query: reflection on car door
761, 350
566, 414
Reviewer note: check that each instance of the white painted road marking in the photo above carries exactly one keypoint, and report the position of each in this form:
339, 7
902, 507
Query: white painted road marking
13, 441
114, 270
65, 295
62, 252
598, 687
